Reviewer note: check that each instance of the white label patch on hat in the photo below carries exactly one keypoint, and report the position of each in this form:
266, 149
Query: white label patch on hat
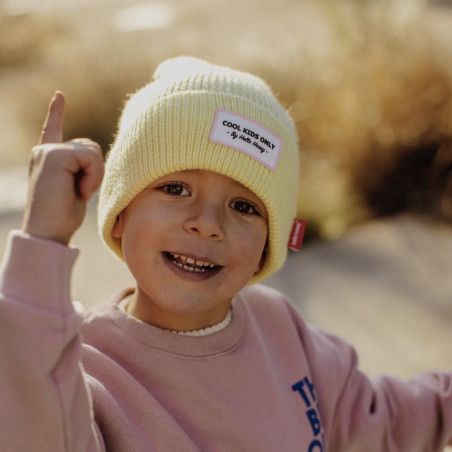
245, 135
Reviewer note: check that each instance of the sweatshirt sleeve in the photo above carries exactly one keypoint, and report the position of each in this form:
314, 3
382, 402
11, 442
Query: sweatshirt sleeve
45, 404
382, 415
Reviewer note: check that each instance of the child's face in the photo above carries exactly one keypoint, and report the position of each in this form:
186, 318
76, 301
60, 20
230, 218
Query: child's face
192, 240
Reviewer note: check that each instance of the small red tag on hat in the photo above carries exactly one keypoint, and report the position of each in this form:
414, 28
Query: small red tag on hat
297, 234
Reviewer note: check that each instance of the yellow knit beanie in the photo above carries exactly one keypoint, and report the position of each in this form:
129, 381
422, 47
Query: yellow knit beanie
195, 115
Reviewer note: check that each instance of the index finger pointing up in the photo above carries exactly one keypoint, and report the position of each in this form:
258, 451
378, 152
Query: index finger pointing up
52, 131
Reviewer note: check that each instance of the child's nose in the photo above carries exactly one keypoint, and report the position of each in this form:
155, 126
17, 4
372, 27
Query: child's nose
205, 219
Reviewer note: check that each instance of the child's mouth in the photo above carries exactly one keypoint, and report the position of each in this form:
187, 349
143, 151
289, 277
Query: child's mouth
190, 264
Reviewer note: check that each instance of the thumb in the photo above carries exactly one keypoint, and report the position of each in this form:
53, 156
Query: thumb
52, 131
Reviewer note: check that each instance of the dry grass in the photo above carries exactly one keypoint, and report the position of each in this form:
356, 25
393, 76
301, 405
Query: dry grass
371, 95
379, 112
23, 38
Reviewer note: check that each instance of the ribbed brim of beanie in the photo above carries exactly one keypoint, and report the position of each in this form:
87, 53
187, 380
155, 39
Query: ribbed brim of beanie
169, 126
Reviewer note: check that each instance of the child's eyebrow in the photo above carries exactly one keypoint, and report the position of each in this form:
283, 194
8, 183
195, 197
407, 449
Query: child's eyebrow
192, 172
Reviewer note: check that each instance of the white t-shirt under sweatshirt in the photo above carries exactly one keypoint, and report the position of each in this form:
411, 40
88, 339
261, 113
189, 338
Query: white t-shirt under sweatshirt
265, 382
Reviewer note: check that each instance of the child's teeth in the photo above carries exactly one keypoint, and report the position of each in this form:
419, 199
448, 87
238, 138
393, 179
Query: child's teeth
191, 261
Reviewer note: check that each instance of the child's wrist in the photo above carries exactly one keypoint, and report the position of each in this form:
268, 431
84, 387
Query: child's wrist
45, 234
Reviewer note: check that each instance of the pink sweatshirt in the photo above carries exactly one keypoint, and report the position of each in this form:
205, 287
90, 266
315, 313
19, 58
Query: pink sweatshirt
267, 382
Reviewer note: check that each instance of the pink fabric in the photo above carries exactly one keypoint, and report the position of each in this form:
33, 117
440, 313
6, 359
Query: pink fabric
268, 382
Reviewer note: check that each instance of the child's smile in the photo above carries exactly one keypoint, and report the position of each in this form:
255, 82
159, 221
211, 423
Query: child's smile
191, 267
192, 240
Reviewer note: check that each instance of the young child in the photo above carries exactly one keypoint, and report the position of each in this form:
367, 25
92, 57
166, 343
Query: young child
198, 199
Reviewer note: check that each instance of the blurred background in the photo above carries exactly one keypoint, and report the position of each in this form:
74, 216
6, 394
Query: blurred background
369, 85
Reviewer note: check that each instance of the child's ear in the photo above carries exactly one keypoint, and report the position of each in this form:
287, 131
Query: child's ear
116, 232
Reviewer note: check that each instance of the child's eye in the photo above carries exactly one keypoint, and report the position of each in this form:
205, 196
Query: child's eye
175, 189
245, 207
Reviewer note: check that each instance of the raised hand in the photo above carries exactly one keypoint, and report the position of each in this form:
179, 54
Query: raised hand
63, 177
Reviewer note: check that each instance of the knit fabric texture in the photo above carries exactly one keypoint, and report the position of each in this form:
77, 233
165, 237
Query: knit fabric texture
166, 127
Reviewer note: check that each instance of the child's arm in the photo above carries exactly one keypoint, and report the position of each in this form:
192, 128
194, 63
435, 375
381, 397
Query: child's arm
386, 414
348, 411
44, 401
